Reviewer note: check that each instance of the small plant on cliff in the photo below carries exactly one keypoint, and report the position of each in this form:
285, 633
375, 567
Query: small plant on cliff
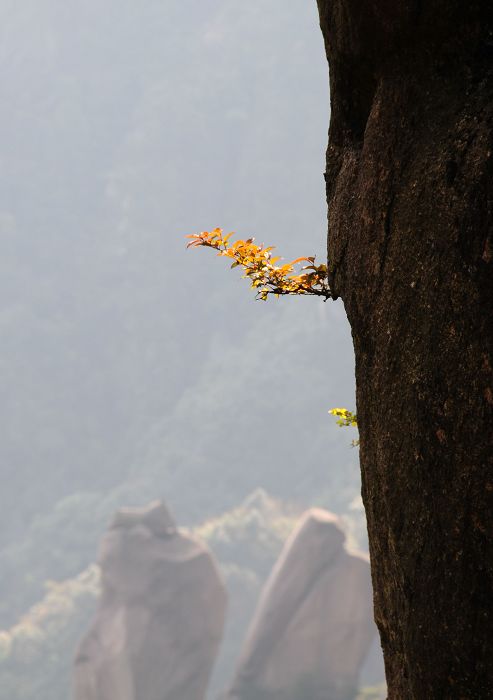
346, 419
267, 277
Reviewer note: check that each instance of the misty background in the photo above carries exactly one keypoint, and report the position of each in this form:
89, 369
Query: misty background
132, 369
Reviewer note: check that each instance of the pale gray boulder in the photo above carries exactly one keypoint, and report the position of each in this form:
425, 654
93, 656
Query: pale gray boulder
160, 620
314, 622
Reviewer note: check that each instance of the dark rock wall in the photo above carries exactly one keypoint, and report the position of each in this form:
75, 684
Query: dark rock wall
409, 188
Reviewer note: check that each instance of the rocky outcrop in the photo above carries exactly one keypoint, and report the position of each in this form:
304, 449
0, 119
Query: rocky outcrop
314, 624
160, 620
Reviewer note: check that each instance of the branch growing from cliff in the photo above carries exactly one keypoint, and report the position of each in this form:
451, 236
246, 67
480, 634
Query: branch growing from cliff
260, 267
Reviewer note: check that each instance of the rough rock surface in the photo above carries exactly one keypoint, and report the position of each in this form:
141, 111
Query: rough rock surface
314, 623
161, 615
410, 247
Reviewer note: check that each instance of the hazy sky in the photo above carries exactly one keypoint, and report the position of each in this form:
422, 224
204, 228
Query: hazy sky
130, 368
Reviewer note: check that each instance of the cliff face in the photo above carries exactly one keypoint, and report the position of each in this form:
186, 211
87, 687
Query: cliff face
410, 196
160, 621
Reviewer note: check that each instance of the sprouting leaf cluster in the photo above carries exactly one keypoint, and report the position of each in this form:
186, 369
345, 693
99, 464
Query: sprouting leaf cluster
262, 269
345, 417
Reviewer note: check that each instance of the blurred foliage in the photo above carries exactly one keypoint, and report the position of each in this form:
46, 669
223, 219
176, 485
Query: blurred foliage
252, 534
375, 693
115, 389
246, 541
36, 653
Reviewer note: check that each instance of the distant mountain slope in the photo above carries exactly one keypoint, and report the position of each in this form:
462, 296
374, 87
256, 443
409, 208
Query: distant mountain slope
129, 367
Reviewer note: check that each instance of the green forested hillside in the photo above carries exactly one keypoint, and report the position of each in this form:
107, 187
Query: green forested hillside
130, 368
